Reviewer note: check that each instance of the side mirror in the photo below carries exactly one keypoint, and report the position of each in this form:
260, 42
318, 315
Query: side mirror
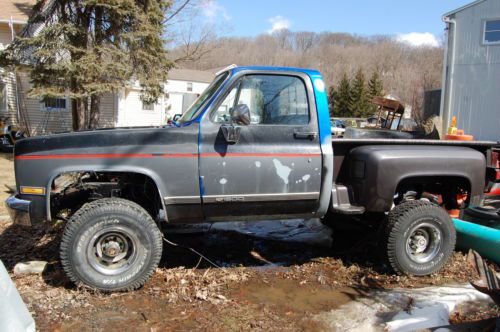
240, 114
231, 133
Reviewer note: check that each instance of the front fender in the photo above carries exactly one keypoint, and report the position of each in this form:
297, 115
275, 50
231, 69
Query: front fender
376, 170
99, 168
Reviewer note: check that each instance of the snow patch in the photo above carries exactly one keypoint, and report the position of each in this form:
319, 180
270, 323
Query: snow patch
223, 181
306, 177
431, 308
258, 164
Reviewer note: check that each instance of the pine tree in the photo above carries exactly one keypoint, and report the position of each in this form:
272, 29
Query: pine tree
332, 96
343, 97
375, 89
88, 48
359, 96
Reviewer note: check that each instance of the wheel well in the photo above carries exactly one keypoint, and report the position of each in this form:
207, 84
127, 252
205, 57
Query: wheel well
439, 189
71, 190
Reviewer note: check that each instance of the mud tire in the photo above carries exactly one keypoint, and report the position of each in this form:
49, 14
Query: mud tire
108, 217
406, 220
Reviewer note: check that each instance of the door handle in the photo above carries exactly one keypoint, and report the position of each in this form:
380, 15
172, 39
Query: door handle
305, 134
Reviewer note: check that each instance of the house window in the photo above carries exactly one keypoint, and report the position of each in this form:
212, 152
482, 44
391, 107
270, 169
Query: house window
492, 32
55, 103
190, 86
3, 97
148, 106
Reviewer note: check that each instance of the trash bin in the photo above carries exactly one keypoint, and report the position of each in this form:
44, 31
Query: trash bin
14, 316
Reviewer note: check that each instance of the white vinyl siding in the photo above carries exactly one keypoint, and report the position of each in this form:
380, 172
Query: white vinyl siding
132, 114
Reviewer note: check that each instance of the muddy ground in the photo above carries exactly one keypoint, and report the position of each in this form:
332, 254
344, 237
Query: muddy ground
265, 283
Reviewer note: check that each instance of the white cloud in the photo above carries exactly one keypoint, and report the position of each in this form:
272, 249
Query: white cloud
418, 39
212, 10
278, 23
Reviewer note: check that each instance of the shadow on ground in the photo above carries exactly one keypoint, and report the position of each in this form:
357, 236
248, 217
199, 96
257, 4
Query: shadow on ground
224, 248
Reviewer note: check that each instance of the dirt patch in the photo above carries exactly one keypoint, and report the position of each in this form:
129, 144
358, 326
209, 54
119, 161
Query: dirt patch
474, 312
247, 294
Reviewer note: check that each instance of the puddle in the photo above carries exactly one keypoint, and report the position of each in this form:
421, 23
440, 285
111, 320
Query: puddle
257, 244
285, 295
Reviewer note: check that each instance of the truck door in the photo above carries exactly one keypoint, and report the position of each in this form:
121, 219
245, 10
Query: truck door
274, 169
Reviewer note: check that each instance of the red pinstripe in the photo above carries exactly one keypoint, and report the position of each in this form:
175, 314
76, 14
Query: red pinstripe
168, 155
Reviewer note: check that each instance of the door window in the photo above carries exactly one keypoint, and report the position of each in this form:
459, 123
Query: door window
272, 99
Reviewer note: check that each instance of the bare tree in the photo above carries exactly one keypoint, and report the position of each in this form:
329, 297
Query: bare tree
190, 35
404, 70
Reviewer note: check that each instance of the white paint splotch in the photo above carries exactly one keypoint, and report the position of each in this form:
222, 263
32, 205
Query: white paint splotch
258, 164
282, 170
223, 181
306, 177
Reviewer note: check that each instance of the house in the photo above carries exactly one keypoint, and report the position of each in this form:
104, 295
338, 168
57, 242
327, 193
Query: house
122, 109
182, 88
471, 69
13, 17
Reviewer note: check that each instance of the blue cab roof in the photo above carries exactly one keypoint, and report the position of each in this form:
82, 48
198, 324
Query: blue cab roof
301, 70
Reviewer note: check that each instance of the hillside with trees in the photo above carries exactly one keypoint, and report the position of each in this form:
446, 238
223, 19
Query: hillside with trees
354, 67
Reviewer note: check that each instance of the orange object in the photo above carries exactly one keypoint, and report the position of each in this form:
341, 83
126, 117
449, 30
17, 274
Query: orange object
455, 137
454, 213
452, 129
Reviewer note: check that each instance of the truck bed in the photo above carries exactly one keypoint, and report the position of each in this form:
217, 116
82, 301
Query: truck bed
392, 141
342, 146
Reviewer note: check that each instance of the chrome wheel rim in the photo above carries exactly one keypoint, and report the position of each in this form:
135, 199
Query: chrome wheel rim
423, 243
113, 250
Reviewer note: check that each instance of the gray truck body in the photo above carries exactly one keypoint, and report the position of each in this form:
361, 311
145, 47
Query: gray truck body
273, 171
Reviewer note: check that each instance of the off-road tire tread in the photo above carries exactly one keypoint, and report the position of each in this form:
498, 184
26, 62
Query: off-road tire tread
393, 227
76, 221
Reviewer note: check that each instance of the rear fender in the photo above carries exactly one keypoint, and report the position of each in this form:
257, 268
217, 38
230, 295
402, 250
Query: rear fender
376, 170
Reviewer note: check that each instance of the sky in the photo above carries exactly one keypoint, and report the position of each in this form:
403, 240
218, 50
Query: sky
413, 21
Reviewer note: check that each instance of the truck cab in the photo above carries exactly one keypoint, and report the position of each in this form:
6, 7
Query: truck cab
261, 146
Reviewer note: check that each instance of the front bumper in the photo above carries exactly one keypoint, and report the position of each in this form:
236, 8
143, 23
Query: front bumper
19, 210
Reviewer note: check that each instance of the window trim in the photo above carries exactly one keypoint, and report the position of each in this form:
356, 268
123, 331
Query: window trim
483, 37
215, 107
55, 109
145, 109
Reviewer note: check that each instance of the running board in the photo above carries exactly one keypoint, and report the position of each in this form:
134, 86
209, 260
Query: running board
341, 202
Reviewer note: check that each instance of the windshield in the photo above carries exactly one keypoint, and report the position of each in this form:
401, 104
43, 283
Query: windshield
196, 107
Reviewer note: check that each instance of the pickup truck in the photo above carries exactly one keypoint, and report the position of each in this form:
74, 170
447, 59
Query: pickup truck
255, 145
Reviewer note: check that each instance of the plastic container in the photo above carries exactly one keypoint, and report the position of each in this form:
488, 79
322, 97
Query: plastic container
484, 240
14, 316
